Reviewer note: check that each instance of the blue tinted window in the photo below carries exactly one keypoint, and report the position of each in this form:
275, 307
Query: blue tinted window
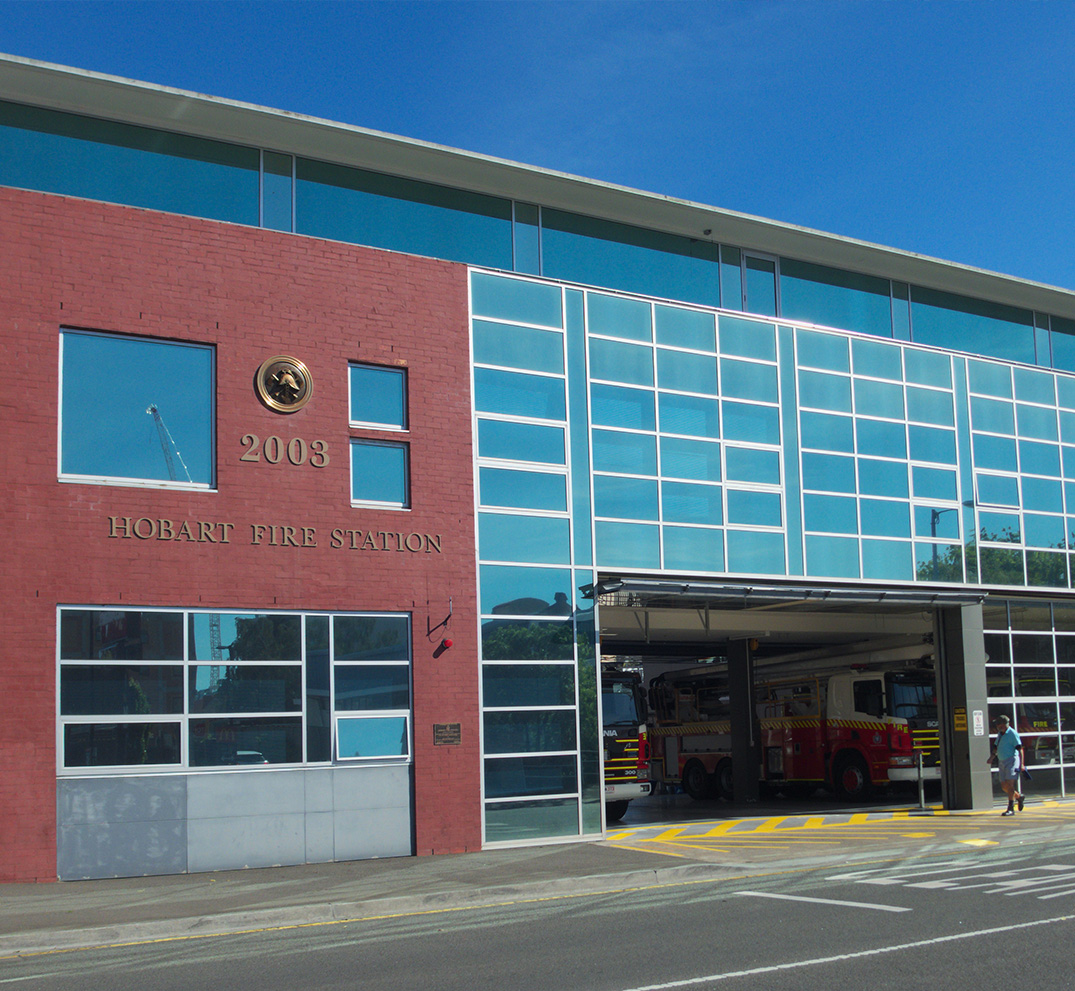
754, 508
997, 490
614, 406
932, 444
936, 521
930, 406
618, 362
760, 285
994, 452
615, 316
683, 328
692, 549
883, 361
378, 396
755, 553
517, 394
629, 454
523, 489
527, 239
1042, 495
748, 380
826, 351
518, 347
516, 300
625, 498
1034, 387
686, 372
747, 338
882, 478
1036, 421
760, 424
379, 473
372, 736
526, 539
524, 591
1043, 531
518, 685
994, 415
990, 379
830, 514
277, 191
691, 415
520, 442
685, 502
370, 686
823, 391
627, 545
745, 464
828, 472
889, 559
832, 557
959, 323
159, 421
879, 399
690, 459
881, 518
383, 211
880, 439
828, 432
829, 296
933, 483
618, 256
1039, 459
1002, 527
731, 278
928, 367
123, 163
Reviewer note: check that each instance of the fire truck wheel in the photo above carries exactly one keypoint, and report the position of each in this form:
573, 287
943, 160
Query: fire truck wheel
614, 811
696, 781
851, 777
725, 780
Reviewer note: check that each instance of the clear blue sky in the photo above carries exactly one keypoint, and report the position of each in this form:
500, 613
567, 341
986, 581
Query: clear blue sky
946, 128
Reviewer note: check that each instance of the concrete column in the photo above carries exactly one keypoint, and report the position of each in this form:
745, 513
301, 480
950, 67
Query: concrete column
963, 707
745, 753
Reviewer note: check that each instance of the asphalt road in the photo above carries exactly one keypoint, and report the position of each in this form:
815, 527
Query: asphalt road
987, 918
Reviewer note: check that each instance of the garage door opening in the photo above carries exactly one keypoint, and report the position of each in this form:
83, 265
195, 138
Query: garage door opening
751, 699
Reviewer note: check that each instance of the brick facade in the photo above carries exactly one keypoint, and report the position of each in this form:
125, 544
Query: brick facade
253, 294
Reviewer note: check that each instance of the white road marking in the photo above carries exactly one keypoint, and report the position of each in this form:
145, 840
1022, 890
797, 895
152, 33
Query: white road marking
712, 978
823, 901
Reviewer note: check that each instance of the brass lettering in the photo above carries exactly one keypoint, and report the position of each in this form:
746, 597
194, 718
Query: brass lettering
124, 525
204, 534
287, 537
432, 542
257, 532
185, 532
309, 534
138, 528
418, 547
225, 529
368, 542
335, 538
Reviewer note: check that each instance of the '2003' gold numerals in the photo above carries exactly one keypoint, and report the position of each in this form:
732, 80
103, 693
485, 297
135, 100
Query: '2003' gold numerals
274, 450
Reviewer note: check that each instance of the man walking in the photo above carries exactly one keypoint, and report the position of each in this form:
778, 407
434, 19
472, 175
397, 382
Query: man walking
1008, 753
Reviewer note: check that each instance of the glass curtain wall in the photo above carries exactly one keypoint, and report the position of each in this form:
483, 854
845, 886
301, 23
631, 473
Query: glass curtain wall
1030, 674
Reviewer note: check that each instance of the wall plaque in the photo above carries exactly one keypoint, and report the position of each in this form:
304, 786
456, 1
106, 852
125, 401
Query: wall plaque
447, 734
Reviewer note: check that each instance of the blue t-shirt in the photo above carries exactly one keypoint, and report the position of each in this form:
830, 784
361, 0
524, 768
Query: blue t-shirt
1007, 743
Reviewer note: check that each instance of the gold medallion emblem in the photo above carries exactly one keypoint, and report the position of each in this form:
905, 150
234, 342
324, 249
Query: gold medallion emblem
284, 384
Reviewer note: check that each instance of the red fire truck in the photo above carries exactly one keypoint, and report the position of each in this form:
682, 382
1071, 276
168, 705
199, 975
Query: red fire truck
829, 730
623, 704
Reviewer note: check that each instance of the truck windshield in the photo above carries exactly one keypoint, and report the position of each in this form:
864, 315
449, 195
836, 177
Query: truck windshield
912, 696
622, 704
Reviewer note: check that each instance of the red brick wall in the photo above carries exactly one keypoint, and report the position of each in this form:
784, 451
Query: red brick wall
254, 294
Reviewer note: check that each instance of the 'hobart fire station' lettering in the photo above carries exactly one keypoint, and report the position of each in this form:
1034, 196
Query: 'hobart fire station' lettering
270, 535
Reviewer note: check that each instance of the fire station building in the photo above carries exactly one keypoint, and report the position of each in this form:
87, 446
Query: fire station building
338, 460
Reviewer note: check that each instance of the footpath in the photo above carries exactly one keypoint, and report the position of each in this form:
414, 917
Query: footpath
42, 918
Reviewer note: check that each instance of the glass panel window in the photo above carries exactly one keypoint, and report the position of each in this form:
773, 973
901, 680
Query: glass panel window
754, 508
523, 489
758, 424
92, 634
755, 552
379, 474
881, 439
825, 351
882, 518
518, 347
113, 689
1042, 495
693, 549
760, 285
545, 775
372, 737
617, 362
834, 298
995, 415
882, 361
930, 406
525, 591
686, 502
990, 379
832, 557
746, 464
525, 539
378, 396
631, 454
748, 380
686, 372
997, 453
508, 441
371, 638
628, 545
226, 742
690, 415
879, 399
959, 323
882, 478
372, 686
121, 744
887, 559
517, 300
269, 637
517, 685
277, 191
159, 421
829, 473
830, 514
615, 406
625, 498
932, 444
933, 483
245, 688
824, 391
1038, 422
682, 328
1039, 459
690, 459
529, 732
747, 338
616, 316
539, 397
515, 821
997, 490
829, 432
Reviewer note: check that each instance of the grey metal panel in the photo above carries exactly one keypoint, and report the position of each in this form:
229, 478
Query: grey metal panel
245, 793
320, 838
121, 827
319, 790
383, 786
384, 832
230, 843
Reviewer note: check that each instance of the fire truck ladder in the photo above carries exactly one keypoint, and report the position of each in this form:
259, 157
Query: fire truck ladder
167, 444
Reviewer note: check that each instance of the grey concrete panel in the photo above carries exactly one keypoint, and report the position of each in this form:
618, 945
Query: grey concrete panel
235, 794
320, 839
373, 833
319, 790
386, 786
222, 844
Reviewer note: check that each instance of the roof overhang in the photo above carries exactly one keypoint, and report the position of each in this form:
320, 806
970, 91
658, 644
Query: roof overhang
79, 91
